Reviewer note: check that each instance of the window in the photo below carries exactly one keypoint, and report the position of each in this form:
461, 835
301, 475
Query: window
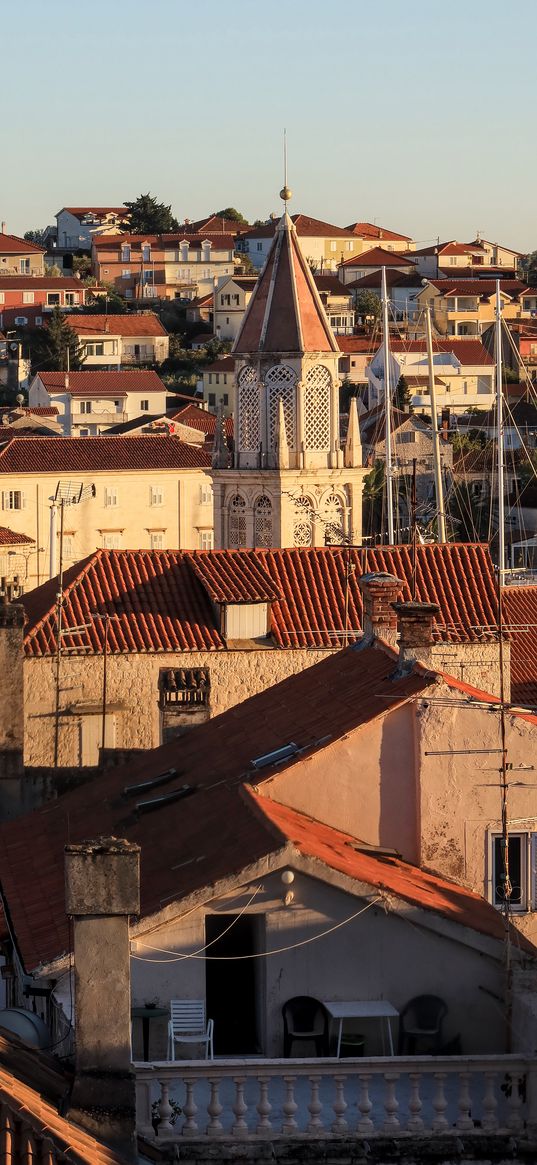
334, 520
157, 540
184, 686
71, 297
2, 297
53, 298
156, 496
128, 293
212, 399
38, 321
206, 539
110, 495
206, 494
24, 266
68, 546
349, 245
28, 297
519, 853
263, 522
125, 253
144, 405
85, 406
126, 273
112, 540
237, 522
146, 253
117, 406
13, 499
225, 398
333, 246
260, 246
95, 349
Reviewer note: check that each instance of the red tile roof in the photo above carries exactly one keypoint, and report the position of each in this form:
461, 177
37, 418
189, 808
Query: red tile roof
196, 418
467, 351
390, 875
369, 230
39, 282
132, 324
91, 454
520, 614
11, 538
485, 287
306, 226
378, 257
12, 245
220, 831
233, 580
330, 284
161, 603
215, 224
82, 210
161, 242
285, 313
28, 410
223, 364
357, 344
97, 383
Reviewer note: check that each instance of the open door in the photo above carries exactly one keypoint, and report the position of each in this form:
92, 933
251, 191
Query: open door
234, 984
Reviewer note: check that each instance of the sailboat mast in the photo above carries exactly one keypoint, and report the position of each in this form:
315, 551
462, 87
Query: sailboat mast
500, 439
438, 483
387, 409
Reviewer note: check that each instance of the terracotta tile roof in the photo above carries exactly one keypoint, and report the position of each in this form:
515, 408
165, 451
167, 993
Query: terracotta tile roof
40, 282
215, 224
485, 287
394, 278
378, 257
234, 580
132, 324
223, 364
285, 313
82, 210
369, 230
11, 538
196, 418
451, 248
160, 603
12, 245
390, 875
90, 454
27, 410
520, 614
306, 227
331, 284
161, 242
97, 383
467, 351
357, 344
220, 830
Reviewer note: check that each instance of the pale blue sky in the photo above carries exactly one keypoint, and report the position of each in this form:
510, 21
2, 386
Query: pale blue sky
415, 114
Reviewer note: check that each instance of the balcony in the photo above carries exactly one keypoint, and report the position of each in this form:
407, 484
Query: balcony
262, 1100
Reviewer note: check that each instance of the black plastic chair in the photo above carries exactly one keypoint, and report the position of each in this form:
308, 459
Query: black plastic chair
421, 1022
305, 1018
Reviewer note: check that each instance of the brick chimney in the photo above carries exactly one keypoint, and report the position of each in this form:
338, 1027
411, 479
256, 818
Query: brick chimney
102, 888
415, 632
379, 594
12, 618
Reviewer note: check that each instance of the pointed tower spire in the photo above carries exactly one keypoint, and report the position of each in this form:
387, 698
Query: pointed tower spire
353, 444
220, 457
281, 447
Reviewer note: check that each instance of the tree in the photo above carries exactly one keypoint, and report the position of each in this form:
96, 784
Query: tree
530, 267
108, 300
149, 217
368, 305
233, 215
374, 496
82, 266
53, 270
35, 236
55, 348
402, 397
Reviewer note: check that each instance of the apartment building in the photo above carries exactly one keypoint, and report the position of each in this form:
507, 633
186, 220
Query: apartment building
111, 341
19, 257
90, 403
173, 266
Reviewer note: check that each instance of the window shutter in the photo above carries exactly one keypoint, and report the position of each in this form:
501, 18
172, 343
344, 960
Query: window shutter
23, 500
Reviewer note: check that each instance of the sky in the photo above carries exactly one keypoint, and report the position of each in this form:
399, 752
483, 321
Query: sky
415, 115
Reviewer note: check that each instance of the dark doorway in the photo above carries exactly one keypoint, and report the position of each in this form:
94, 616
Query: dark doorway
232, 983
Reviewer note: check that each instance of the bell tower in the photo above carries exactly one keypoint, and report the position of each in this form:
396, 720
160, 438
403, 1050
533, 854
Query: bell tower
291, 484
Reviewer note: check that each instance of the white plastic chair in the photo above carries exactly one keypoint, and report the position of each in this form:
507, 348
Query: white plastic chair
187, 1025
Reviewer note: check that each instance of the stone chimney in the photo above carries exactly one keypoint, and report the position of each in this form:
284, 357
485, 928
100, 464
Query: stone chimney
415, 631
379, 593
102, 888
12, 618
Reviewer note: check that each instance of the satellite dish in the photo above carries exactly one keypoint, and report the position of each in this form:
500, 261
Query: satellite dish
20, 398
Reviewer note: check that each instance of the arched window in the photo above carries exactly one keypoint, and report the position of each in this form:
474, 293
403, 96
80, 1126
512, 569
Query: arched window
280, 382
237, 522
333, 514
263, 522
249, 427
317, 390
303, 523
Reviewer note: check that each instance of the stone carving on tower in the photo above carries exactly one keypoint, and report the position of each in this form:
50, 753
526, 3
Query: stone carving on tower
291, 482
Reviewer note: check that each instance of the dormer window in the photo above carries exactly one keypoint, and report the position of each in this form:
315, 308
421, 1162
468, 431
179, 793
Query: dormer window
206, 247
184, 252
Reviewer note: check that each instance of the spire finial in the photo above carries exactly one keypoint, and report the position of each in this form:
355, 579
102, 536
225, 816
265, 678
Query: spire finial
285, 192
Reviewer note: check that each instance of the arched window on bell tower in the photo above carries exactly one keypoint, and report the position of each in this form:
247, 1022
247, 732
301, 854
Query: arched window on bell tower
333, 516
263, 522
317, 393
249, 435
303, 522
236, 522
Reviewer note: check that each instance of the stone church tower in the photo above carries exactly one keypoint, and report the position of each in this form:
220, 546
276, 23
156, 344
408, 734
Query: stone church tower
291, 483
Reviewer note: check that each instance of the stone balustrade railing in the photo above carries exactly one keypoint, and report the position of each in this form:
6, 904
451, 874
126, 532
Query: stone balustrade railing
257, 1098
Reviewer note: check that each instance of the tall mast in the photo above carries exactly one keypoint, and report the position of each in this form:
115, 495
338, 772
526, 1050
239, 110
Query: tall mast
438, 483
500, 439
387, 409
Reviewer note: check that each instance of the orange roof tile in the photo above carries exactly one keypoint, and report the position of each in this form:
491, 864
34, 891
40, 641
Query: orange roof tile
369, 230
96, 383
379, 257
131, 324
285, 313
520, 614
11, 538
91, 454
12, 245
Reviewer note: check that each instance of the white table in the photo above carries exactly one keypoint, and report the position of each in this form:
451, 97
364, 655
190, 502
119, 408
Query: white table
361, 1009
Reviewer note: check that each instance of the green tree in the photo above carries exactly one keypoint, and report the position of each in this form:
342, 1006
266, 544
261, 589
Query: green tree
373, 497
82, 266
402, 397
53, 270
233, 215
149, 217
35, 236
368, 305
108, 300
55, 348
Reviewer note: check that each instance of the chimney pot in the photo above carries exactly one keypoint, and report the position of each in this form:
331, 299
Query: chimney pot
415, 626
379, 592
